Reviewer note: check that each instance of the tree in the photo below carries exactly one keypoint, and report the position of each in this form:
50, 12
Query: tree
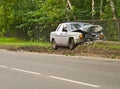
101, 9
113, 9
69, 5
93, 9
70, 11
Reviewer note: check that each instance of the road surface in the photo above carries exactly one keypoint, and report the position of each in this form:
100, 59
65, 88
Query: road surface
23, 70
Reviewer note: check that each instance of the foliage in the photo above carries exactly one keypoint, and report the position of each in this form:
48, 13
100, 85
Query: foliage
28, 19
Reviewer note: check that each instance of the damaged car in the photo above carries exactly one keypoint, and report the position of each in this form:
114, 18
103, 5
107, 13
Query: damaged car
70, 34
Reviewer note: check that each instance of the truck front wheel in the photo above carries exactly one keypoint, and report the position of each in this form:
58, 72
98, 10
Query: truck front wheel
71, 44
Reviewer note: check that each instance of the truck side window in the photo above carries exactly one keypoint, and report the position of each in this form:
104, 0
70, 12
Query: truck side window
64, 29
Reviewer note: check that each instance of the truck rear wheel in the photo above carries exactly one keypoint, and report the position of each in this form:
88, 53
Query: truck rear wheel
54, 45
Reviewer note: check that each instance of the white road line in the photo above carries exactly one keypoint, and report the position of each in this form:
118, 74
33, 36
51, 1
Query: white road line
26, 71
3, 66
53, 77
73, 81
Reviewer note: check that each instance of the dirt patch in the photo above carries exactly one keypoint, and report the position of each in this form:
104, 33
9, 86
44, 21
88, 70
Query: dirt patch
81, 50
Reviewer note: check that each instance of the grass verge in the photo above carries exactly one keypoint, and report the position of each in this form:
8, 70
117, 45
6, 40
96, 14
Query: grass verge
18, 43
107, 50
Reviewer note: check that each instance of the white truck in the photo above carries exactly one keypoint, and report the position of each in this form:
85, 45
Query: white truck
70, 34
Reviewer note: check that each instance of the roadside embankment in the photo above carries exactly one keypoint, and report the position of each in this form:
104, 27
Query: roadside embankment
104, 49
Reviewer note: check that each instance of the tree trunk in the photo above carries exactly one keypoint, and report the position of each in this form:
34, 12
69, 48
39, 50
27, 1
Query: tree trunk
113, 9
101, 10
69, 5
69, 8
93, 9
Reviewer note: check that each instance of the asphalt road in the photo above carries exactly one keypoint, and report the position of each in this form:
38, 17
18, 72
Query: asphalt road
22, 70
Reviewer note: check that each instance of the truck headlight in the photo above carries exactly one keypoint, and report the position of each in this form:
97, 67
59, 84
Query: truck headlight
101, 36
81, 36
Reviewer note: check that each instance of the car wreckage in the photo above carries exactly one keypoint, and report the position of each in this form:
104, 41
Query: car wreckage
70, 34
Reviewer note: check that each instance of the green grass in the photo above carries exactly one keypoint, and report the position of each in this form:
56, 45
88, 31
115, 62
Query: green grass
16, 42
107, 46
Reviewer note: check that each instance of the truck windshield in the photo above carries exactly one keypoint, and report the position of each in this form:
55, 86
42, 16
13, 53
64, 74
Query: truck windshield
75, 27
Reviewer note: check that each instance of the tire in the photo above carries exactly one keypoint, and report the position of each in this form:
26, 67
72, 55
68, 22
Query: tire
71, 44
54, 45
